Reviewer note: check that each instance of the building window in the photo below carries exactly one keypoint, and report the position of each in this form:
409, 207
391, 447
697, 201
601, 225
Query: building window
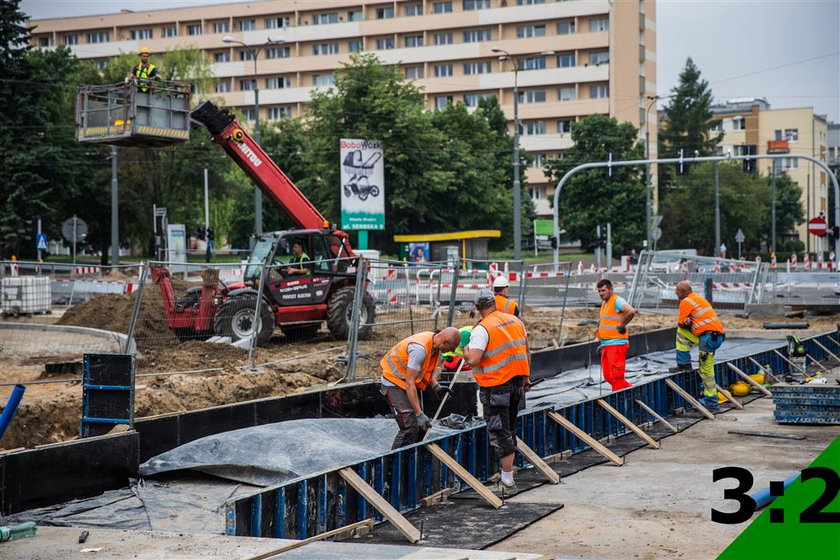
322, 80
323, 19
98, 37
537, 160
532, 63
280, 22
222, 86
248, 25
140, 34
526, 31
532, 96
739, 123
221, 57
412, 10
247, 85
250, 114
414, 41
717, 126
566, 60
739, 150
354, 46
471, 99
599, 24
45, 41
385, 43
385, 13
194, 29
532, 128
441, 101
600, 91
472, 68
477, 35
443, 38
529, 2
442, 7
100, 63
564, 126
246, 55
277, 82
221, 27
278, 52
471, 5
789, 134
534, 192
170, 31
278, 112
414, 72
355, 15
600, 57
443, 70
567, 94
71, 39
325, 48
565, 27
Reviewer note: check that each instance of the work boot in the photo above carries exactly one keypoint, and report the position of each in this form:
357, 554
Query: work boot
711, 403
679, 367
503, 490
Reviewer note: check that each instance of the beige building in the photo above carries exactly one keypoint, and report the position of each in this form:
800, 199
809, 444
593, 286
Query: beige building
797, 131
576, 57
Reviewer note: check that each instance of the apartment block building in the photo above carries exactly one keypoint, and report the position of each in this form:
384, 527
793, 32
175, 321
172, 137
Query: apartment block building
575, 57
752, 124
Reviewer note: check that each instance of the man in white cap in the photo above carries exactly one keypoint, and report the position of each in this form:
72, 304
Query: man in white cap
503, 302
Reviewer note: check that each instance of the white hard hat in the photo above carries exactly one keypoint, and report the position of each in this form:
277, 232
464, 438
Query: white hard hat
501, 282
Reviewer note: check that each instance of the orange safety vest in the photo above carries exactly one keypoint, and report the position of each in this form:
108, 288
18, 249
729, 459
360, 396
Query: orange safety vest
505, 304
395, 363
506, 355
609, 322
703, 317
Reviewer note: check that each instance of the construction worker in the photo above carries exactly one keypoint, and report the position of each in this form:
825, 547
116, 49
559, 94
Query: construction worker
144, 71
500, 358
616, 313
452, 360
503, 302
407, 368
299, 257
698, 323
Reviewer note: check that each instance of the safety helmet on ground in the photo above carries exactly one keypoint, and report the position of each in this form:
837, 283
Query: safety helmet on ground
501, 282
144, 50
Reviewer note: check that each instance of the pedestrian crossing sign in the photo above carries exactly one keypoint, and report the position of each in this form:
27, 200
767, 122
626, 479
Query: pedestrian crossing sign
41, 242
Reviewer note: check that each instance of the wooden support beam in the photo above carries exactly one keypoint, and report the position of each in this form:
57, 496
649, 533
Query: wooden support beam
409, 531
437, 497
785, 358
729, 397
591, 441
291, 546
829, 352
537, 461
657, 416
819, 363
465, 475
748, 379
626, 421
691, 400
765, 370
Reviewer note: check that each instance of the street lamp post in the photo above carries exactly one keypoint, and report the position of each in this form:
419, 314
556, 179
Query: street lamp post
255, 52
648, 187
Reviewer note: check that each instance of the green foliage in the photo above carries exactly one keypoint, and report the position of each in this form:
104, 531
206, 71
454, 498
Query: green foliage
589, 198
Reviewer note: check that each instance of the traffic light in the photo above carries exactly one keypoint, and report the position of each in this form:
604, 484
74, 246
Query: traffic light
748, 165
609, 170
682, 166
836, 231
211, 235
199, 233
553, 240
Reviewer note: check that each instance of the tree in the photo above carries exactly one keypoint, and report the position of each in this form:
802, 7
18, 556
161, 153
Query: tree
687, 120
590, 198
789, 209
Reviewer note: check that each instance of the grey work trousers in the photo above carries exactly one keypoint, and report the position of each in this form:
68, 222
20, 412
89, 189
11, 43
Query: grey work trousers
502, 404
406, 419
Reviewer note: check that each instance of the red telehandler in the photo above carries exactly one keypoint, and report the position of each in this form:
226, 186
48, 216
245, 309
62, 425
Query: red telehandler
299, 303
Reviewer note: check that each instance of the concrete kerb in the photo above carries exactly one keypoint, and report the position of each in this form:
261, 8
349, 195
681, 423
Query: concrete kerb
99, 333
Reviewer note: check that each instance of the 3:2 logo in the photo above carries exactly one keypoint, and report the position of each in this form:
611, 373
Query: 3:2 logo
814, 513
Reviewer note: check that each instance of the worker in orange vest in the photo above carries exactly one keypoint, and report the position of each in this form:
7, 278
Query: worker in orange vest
697, 323
407, 368
503, 302
500, 358
615, 315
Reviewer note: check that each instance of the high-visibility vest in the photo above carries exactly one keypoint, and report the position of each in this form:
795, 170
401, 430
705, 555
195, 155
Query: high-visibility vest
505, 304
459, 351
506, 355
703, 317
395, 363
144, 72
303, 258
609, 322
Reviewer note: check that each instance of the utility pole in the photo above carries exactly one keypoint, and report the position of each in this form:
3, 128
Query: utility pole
717, 206
773, 209
115, 211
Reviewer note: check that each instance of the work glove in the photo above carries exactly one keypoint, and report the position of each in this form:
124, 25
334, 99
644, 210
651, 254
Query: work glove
423, 422
440, 391
622, 330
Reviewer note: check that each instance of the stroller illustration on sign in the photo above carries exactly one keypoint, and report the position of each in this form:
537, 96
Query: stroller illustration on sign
359, 172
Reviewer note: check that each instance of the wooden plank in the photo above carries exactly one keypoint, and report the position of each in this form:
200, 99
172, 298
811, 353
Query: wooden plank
785, 358
465, 475
592, 442
409, 531
729, 397
437, 497
749, 379
291, 546
626, 421
657, 416
537, 461
829, 352
819, 363
694, 402
766, 372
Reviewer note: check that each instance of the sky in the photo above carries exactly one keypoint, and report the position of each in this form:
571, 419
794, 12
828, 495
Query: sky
787, 51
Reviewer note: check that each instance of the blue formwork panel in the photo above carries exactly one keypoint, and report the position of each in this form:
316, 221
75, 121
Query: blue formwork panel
107, 393
806, 404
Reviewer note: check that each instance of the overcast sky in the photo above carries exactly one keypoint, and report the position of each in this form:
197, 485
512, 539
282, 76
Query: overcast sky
787, 51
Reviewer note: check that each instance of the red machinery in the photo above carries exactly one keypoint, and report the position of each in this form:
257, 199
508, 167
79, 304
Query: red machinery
297, 304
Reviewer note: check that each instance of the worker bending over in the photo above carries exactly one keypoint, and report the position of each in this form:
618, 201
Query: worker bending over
501, 286
407, 368
500, 358
616, 313
453, 360
698, 323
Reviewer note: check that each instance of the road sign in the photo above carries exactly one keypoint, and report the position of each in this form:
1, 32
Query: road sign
656, 234
41, 242
817, 226
739, 236
74, 229
160, 212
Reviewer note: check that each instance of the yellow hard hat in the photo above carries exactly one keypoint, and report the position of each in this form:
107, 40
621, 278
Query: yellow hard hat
144, 50
740, 389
